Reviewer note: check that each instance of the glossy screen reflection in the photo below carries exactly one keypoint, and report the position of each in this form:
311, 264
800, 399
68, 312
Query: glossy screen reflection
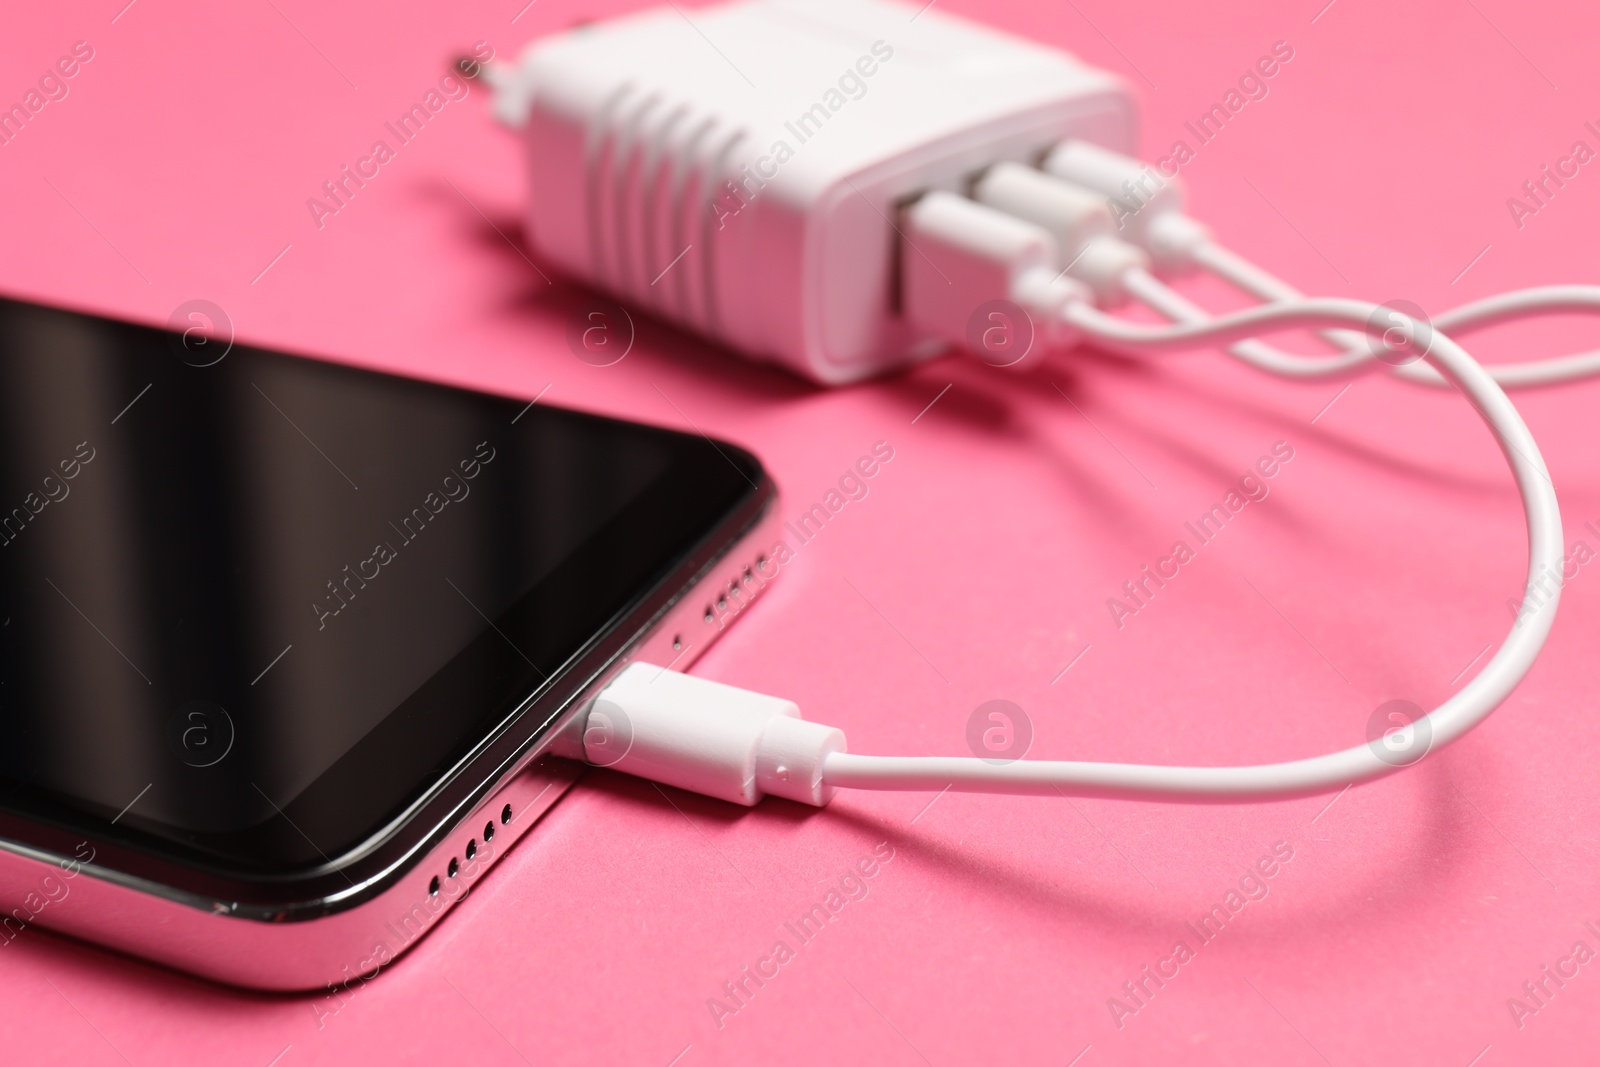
218, 582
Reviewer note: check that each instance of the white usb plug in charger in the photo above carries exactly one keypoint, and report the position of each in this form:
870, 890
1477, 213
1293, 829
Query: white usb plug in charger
738, 169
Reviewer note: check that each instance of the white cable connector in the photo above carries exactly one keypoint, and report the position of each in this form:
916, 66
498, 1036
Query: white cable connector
1077, 219
961, 255
1146, 208
708, 738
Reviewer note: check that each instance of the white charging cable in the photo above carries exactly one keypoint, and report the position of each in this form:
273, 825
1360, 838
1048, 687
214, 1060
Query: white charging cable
1082, 227
1478, 315
1442, 725
739, 745
1149, 210
1355, 359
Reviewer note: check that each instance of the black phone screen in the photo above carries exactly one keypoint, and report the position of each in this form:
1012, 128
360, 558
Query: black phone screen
250, 603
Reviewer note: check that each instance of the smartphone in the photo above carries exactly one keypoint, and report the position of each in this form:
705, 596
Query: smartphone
290, 652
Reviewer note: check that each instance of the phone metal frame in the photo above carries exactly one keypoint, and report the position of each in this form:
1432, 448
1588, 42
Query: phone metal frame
341, 940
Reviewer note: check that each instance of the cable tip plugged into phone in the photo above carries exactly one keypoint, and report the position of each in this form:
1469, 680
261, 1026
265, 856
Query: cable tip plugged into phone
708, 738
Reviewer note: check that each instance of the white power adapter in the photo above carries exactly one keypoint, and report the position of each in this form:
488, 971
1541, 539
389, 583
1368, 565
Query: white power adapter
739, 169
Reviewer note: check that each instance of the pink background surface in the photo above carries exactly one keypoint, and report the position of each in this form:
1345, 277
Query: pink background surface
978, 567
